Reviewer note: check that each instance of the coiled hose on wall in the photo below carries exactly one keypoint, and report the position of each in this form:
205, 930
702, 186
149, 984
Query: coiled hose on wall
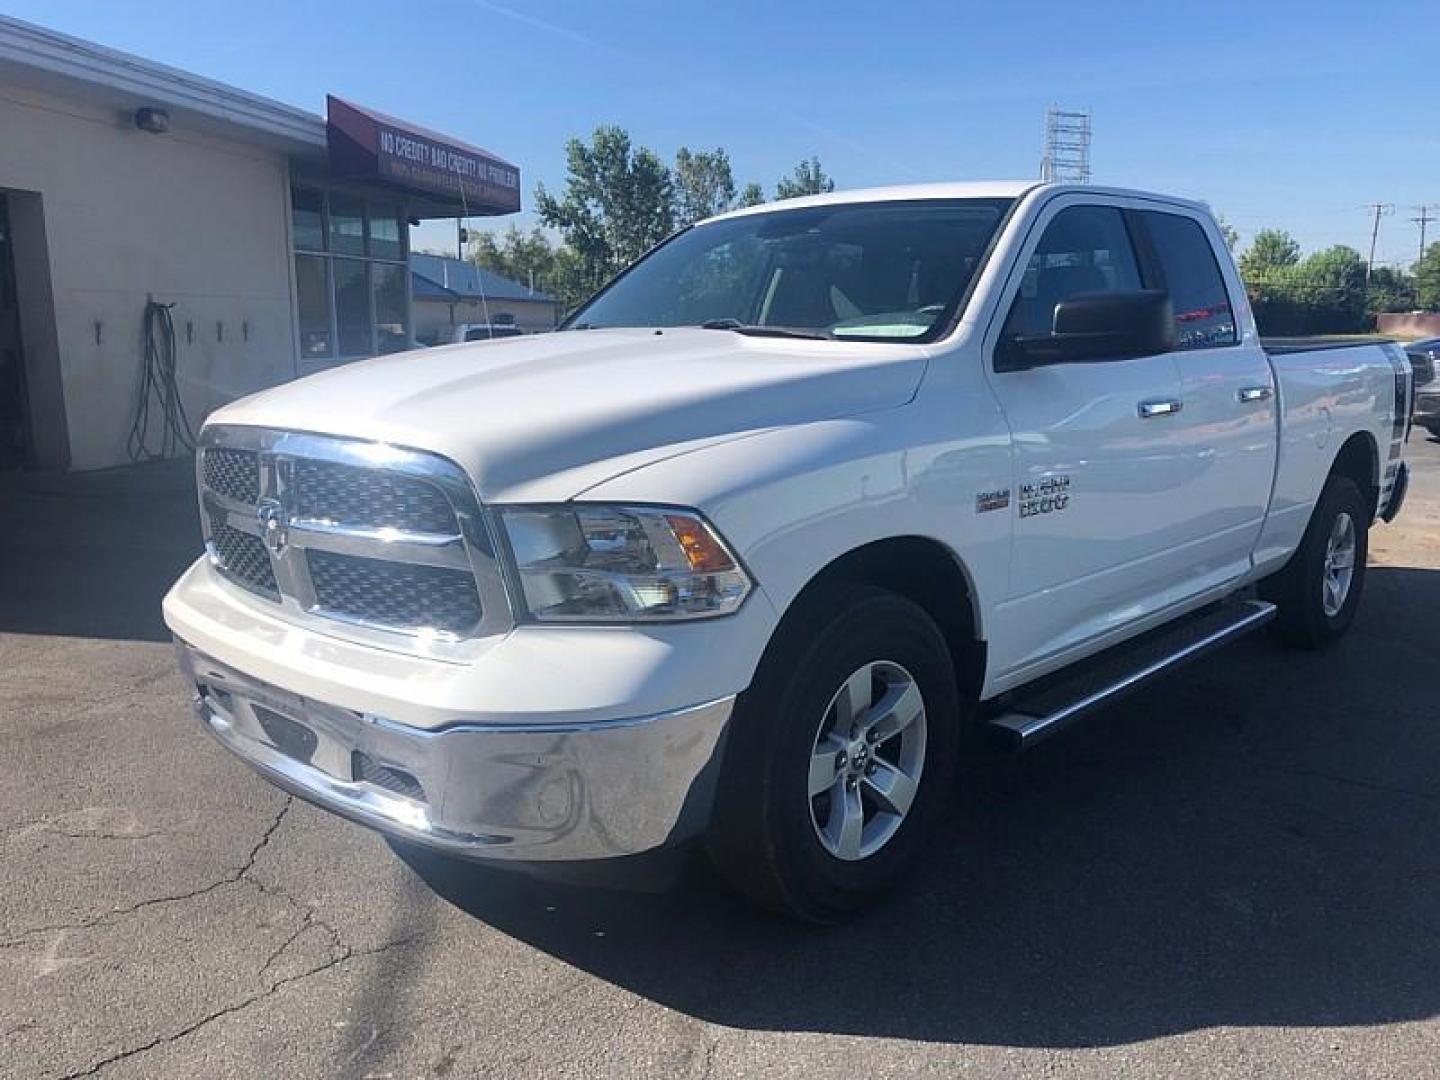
160, 392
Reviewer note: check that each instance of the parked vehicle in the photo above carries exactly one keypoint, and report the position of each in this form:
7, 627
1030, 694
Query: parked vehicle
1424, 356
820, 485
481, 332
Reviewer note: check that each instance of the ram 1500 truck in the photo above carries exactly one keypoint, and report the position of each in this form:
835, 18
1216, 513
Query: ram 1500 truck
743, 550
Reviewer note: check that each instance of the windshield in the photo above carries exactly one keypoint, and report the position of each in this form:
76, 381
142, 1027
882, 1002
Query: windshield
876, 271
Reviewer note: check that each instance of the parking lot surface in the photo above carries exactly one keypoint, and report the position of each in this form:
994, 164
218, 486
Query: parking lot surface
1234, 873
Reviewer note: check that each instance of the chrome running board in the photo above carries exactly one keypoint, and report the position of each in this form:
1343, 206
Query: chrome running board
1053, 704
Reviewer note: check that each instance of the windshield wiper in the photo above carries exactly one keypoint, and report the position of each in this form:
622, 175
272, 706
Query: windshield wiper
760, 331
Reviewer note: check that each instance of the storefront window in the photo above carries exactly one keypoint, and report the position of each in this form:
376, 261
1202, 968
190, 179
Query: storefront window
352, 307
391, 334
347, 225
312, 298
385, 232
352, 285
308, 213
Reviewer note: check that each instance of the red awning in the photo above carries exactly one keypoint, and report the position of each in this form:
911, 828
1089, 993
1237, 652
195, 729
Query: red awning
370, 145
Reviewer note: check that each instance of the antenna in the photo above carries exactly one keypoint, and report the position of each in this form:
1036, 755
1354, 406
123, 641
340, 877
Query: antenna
1067, 146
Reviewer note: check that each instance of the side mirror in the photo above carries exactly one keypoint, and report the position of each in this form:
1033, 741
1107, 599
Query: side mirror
1097, 326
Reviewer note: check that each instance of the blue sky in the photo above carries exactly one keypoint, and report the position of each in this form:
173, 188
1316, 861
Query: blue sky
1292, 113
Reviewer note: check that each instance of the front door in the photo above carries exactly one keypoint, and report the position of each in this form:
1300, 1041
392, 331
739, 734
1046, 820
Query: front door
14, 435
1101, 475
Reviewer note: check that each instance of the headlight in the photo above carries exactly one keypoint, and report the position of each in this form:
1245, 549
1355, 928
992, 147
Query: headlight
597, 563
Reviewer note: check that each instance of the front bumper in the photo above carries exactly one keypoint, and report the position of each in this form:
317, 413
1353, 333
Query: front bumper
539, 791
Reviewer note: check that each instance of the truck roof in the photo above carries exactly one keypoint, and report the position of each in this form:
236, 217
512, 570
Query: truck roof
982, 189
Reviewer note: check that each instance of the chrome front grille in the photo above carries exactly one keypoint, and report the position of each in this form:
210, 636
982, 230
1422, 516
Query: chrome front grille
394, 594
243, 558
233, 473
385, 540
349, 495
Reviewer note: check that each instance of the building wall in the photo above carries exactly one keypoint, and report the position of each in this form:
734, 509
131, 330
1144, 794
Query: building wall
432, 318
188, 219
1410, 324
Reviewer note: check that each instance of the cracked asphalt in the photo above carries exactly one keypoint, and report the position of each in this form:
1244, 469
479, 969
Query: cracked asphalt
1235, 873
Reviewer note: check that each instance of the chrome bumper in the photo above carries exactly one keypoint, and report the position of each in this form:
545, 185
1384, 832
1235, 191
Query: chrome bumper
571, 791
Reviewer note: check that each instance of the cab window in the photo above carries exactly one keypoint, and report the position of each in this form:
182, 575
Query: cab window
1084, 249
1203, 316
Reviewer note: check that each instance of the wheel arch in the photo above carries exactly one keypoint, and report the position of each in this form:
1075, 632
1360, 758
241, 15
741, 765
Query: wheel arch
928, 573
1359, 459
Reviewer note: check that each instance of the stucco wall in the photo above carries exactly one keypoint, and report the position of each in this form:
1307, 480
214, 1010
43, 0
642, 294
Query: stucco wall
186, 218
432, 317
1410, 325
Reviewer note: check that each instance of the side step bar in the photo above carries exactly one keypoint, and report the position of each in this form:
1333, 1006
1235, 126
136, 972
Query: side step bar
1059, 701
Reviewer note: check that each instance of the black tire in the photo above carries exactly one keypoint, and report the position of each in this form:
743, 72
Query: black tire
1299, 589
763, 838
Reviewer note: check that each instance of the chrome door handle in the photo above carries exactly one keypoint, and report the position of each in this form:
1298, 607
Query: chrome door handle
1247, 394
1151, 409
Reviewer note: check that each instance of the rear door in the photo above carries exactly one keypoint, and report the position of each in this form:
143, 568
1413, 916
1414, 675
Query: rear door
1227, 425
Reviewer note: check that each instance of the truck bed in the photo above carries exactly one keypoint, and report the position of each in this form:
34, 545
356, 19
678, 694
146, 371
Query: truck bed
1279, 346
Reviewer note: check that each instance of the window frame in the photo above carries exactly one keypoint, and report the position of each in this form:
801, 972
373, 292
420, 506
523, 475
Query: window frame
1147, 239
331, 257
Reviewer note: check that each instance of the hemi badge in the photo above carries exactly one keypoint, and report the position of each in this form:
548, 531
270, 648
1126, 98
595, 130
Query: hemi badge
986, 501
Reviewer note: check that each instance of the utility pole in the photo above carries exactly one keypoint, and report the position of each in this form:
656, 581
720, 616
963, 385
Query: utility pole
1379, 210
1423, 217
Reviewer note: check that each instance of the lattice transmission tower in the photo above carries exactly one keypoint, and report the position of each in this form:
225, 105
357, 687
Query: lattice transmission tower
1067, 146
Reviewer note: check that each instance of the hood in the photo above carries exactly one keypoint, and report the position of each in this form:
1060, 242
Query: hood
544, 417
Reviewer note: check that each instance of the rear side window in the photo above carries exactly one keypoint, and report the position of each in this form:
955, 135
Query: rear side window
1084, 249
1203, 317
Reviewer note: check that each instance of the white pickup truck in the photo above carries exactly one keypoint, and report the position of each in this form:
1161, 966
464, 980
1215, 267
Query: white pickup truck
742, 551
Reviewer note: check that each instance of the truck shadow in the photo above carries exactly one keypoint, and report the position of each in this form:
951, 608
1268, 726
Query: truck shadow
1253, 842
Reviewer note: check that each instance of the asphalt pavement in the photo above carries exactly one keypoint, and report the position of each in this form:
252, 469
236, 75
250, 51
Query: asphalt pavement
1234, 873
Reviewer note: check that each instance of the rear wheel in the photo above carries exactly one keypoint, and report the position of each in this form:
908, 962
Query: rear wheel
840, 755
1318, 591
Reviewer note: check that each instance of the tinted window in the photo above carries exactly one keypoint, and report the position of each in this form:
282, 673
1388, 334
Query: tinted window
347, 224
1202, 308
352, 307
1084, 249
308, 215
312, 295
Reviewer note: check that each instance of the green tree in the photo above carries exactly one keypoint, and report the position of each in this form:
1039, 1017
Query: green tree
753, 195
704, 184
528, 258
1391, 289
1334, 284
1271, 250
808, 179
1427, 279
618, 202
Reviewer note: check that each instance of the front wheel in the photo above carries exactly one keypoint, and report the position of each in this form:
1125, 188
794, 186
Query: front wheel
840, 755
1319, 589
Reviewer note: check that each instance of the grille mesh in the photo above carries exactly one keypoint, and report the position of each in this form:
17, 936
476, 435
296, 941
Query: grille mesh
233, 473
395, 594
243, 557
368, 498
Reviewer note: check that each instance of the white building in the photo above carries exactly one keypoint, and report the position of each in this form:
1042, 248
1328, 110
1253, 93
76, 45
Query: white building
278, 238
